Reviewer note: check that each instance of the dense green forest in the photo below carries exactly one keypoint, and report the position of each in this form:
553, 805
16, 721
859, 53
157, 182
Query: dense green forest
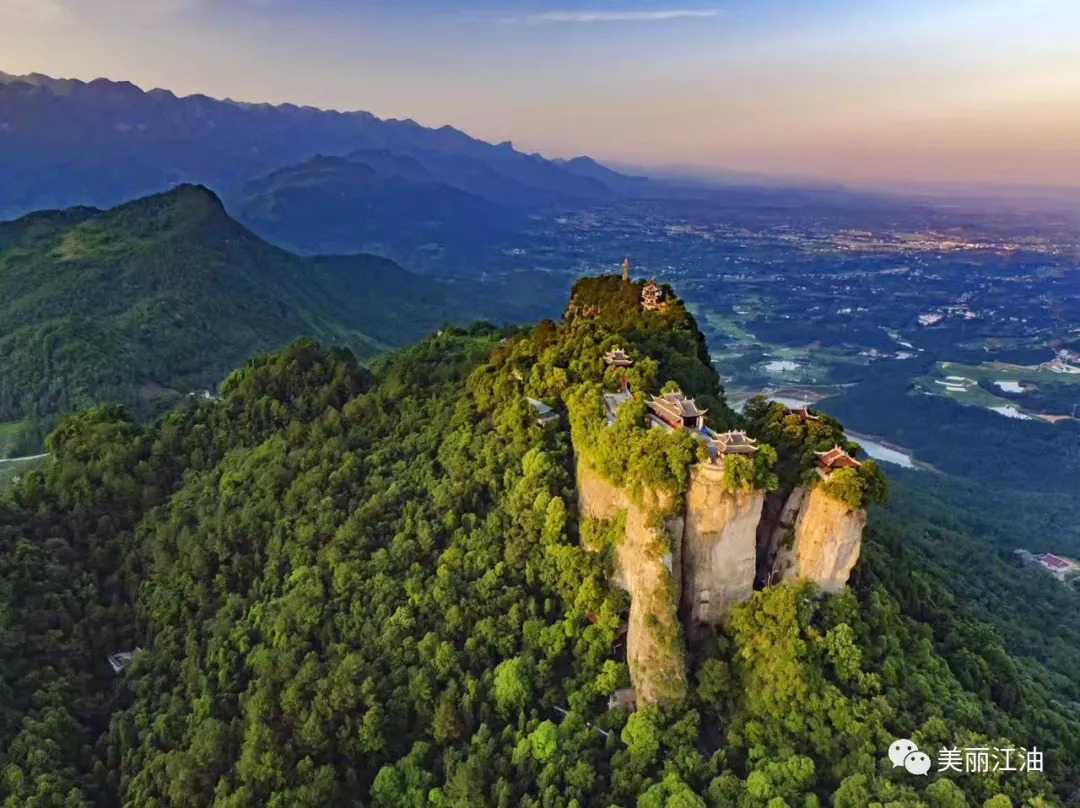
164, 296
1023, 467
368, 586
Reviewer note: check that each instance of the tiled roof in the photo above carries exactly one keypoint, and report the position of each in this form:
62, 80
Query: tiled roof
678, 405
837, 457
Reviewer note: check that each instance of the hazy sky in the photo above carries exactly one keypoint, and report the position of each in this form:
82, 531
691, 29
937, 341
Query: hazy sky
969, 90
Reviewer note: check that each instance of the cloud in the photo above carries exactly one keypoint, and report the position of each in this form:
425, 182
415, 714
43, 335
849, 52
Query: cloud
619, 16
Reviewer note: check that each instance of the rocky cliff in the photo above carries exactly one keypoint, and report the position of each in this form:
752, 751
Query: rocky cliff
703, 558
719, 547
647, 566
823, 545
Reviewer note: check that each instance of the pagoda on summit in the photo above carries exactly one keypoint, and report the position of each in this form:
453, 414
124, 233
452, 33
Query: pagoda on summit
652, 296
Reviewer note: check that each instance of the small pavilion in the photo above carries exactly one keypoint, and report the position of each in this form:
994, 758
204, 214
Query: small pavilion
735, 442
618, 358
652, 296
804, 414
835, 458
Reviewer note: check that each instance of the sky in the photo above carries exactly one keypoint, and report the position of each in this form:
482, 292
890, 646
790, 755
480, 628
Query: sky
856, 91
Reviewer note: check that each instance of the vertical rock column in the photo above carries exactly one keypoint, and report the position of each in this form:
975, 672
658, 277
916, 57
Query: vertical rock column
825, 545
650, 573
719, 547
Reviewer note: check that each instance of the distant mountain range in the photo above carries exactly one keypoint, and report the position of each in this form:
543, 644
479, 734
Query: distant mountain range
65, 142
164, 295
372, 201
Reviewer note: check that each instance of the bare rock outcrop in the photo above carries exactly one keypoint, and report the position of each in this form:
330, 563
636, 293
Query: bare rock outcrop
719, 544
824, 544
648, 566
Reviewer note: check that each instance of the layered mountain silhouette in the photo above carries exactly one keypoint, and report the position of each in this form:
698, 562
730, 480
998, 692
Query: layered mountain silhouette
65, 142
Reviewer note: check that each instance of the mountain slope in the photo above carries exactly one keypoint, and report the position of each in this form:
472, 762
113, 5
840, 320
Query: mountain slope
376, 202
168, 293
370, 589
65, 142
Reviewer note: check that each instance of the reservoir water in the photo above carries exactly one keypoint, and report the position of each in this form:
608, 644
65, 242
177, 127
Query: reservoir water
873, 448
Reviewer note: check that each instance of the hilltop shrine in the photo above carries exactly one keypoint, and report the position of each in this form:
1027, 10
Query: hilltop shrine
835, 458
804, 414
652, 296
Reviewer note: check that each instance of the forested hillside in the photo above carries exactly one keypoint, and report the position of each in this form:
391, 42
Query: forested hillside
164, 296
371, 587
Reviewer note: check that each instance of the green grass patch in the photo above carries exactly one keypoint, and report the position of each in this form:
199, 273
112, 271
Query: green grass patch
9, 432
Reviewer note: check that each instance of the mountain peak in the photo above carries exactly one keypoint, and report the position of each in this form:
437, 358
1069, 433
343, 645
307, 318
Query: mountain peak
194, 193
181, 208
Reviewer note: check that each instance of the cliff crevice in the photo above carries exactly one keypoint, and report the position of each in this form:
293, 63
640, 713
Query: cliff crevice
647, 565
719, 546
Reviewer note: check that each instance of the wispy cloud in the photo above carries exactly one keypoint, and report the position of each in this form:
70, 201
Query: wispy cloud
618, 16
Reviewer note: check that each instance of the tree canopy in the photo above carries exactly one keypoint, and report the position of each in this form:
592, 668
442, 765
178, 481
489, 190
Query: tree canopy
372, 587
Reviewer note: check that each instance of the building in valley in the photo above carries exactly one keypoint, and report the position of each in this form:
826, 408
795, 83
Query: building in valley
1056, 565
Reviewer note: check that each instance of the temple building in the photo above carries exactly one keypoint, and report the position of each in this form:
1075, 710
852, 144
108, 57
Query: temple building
677, 411
626, 270
835, 458
121, 659
618, 358
804, 414
1060, 567
736, 442
613, 401
652, 296
544, 414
